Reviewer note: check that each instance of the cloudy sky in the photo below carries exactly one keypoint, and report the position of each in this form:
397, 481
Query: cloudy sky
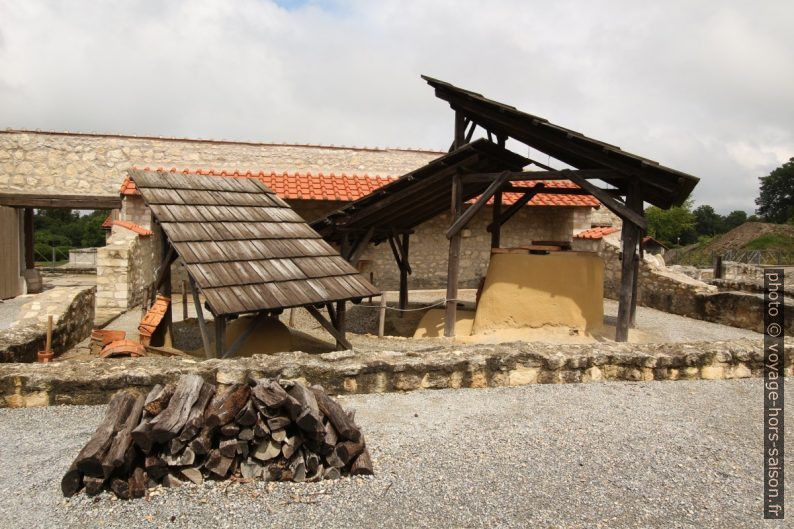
703, 86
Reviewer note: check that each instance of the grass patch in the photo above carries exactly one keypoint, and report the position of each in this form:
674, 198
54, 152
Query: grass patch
771, 241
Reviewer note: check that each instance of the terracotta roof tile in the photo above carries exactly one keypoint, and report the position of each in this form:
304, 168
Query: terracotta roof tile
595, 233
140, 230
346, 188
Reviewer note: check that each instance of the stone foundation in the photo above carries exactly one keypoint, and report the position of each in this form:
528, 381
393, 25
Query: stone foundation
93, 382
73, 315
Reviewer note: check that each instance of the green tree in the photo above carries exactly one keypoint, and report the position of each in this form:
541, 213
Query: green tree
672, 226
734, 219
708, 221
776, 199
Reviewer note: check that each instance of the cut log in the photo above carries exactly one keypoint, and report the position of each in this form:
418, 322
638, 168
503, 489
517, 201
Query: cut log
230, 430
362, 465
246, 434
157, 401
171, 481
203, 442
93, 485
186, 458
312, 461
195, 419
247, 415
267, 450
250, 469
223, 409
137, 483
118, 451
348, 450
218, 464
278, 423
72, 481
228, 447
89, 460
305, 411
331, 473
298, 467
269, 393
155, 467
176, 445
168, 423
336, 415
242, 449
278, 435
192, 474
141, 435
328, 443
260, 428
316, 475
121, 488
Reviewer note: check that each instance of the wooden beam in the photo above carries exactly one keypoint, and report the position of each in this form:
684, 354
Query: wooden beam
624, 212
329, 307
205, 339
328, 327
220, 335
28, 200
453, 263
472, 210
361, 246
470, 133
549, 190
496, 220
405, 269
341, 324
164, 272
543, 175
30, 261
518, 204
629, 238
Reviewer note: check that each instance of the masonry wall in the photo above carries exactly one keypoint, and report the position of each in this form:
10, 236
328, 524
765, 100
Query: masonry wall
40, 162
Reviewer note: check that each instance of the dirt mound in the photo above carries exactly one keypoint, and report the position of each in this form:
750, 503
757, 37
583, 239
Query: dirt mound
736, 239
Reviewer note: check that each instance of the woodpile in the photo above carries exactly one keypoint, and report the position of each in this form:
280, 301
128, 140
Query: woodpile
276, 431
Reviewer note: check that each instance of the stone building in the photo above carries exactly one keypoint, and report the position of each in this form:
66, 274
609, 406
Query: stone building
39, 166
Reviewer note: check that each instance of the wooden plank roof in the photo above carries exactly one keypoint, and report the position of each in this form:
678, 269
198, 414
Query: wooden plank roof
419, 195
245, 247
660, 185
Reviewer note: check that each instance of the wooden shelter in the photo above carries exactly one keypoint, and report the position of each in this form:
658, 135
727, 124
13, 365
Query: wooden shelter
247, 251
482, 170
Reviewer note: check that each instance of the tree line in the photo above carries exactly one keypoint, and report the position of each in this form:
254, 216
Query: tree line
65, 229
682, 225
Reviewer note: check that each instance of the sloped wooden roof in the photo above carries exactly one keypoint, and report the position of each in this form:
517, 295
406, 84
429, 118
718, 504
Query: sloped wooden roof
245, 247
419, 195
661, 186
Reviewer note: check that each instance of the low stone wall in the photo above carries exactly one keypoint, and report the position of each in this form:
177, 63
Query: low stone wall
125, 266
94, 381
73, 315
82, 258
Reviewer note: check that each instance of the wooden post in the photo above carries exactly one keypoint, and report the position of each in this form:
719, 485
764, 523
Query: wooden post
496, 232
292, 317
30, 261
453, 263
220, 335
205, 338
404, 273
634, 284
382, 316
460, 131
340, 322
718, 267
184, 300
164, 333
629, 238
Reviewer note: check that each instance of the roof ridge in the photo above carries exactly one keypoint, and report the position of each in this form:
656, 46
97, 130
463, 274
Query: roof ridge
10, 130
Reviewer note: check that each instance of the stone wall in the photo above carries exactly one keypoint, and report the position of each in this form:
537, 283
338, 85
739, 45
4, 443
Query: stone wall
125, 267
93, 164
73, 314
82, 258
94, 381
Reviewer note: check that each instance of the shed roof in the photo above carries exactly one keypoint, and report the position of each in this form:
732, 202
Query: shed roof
246, 248
419, 195
660, 185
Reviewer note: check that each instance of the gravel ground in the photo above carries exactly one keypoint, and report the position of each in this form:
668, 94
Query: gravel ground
658, 454
9, 310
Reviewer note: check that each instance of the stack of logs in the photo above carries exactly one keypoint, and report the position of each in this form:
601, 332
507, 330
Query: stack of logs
185, 432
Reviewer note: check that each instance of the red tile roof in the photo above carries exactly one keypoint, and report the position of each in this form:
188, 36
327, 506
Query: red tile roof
346, 188
140, 230
595, 233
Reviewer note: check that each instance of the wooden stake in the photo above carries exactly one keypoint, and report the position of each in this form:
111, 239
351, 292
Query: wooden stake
382, 316
453, 263
205, 339
496, 233
341, 324
292, 317
404, 268
48, 345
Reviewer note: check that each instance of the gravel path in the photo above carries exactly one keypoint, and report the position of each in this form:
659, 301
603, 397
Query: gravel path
658, 454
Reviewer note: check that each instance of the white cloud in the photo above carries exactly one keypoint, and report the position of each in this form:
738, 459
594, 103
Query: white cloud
704, 87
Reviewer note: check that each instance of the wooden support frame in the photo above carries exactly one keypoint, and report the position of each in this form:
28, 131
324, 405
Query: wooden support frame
163, 335
360, 246
625, 212
453, 263
517, 205
400, 246
340, 338
220, 336
341, 324
496, 220
205, 338
30, 261
472, 210
630, 235
549, 174
28, 200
